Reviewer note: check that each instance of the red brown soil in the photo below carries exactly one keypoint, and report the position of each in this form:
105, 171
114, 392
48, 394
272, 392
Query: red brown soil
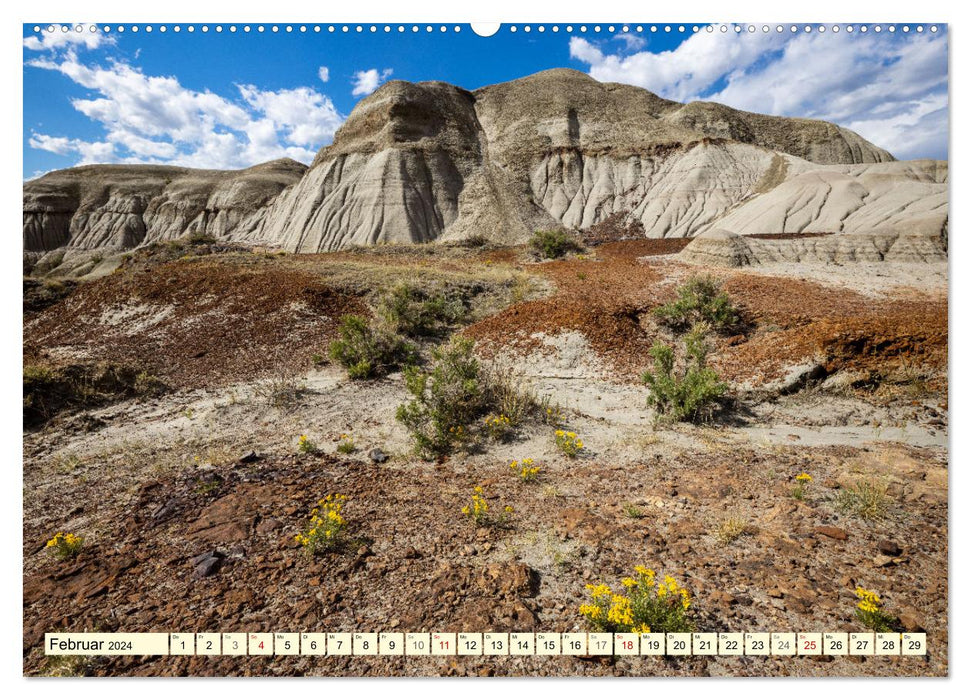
415, 565
847, 330
601, 298
609, 300
228, 319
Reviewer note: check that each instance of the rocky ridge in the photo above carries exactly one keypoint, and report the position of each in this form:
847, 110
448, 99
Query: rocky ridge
726, 249
430, 161
124, 206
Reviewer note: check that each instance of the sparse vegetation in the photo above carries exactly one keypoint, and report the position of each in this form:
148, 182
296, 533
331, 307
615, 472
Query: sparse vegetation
478, 511
67, 463
633, 512
206, 487
554, 244
197, 238
522, 289
368, 350
700, 300
689, 394
446, 400
39, 295
326, 529
732, 528
281, 389
69, 666
908, 382
510, 395
865, 499
49, 390
648, 606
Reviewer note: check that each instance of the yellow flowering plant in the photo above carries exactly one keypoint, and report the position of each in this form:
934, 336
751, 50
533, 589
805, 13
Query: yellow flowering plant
65, 545
479, 512
646, 605
802, 485
497, 426
569, 443
326, 529
525, 469
552, 414
869, 611
306, 446
345, 445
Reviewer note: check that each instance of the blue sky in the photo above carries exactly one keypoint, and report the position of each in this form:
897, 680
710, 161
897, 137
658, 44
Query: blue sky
227, 100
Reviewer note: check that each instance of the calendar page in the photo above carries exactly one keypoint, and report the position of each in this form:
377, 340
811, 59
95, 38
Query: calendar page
514, 349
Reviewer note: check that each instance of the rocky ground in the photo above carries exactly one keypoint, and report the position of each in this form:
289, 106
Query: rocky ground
189, 499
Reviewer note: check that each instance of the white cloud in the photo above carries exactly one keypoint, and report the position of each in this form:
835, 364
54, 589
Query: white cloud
156, 119
632, 42
324, 73
680, 74
367, 81
87, 151
309, 117
60, 145
583, 50
919, 129
887, 88
51, 41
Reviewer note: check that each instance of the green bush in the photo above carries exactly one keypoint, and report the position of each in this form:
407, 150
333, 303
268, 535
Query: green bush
688, 394
367, 349
554, 244
700, 300
447, 400
415, 313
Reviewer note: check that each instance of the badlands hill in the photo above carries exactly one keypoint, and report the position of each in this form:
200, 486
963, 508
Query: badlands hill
431, 161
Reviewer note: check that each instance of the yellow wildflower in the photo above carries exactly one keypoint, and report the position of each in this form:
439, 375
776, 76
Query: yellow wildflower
590, 610
599, 590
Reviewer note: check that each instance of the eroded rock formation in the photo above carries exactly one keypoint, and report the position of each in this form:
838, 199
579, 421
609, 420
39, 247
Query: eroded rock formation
124, 206
921, 243
430, 161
